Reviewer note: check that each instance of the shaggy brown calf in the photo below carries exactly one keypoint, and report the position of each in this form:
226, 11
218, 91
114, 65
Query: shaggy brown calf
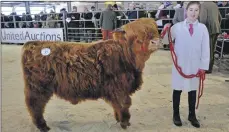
111, 70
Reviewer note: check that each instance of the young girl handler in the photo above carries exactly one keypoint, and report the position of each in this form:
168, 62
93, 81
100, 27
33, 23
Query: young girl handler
193, 55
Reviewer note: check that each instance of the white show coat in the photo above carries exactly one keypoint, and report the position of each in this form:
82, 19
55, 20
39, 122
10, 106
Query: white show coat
193, 53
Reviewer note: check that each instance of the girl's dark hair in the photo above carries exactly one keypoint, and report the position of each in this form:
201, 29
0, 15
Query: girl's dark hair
192, 3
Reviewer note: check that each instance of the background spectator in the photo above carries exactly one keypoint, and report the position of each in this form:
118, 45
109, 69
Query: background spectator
74, 17
223, 12
211, 17
87, 16
180, 13
108, 22
50, 21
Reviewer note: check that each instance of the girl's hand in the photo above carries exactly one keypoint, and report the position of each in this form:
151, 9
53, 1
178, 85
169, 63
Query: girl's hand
201, 71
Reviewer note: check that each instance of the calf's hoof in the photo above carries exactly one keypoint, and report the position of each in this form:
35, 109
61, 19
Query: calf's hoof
44, 129
125, 124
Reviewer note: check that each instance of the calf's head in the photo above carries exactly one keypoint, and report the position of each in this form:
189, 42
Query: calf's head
142, 37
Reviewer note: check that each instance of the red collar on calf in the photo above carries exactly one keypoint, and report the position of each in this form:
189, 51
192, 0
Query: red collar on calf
143, 49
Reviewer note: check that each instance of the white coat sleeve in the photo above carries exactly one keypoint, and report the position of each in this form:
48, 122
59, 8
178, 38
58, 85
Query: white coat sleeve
205, 50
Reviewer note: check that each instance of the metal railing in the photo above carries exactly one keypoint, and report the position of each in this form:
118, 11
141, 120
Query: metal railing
82, 32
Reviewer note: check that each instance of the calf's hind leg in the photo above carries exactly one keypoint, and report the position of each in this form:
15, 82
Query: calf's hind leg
36, 101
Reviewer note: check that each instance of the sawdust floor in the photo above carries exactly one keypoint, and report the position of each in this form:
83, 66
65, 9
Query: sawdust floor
151, 109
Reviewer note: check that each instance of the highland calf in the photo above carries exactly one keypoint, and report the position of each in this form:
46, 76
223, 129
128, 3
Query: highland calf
110, 70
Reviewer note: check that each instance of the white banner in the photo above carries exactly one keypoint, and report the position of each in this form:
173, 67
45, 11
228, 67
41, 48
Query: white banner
22, 35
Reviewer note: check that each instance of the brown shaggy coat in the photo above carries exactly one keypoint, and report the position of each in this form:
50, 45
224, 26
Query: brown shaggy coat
111, 70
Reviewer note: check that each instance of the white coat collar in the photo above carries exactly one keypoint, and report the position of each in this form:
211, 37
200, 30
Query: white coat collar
186, 22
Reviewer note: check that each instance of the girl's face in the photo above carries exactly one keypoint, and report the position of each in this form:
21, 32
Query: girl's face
193, 12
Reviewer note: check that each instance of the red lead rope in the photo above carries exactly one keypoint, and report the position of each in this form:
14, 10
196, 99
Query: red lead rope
199, 74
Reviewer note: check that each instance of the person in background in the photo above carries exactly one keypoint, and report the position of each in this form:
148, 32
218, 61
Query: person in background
37, 23
108, 22
162, 6
93, 16
29, 20
88, 23
180, 13
179, 4
98, 33
73, 16
163, 13
192, 49
62, 16
95, 23
17, 20
4, 19
224, 11
223, 4
118, 15
167, 13
132, 14
50, 23
142, 14
23, 18
123, 15
43, 18
211, 17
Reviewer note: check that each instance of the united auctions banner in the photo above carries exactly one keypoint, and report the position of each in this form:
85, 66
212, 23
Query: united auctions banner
22, 35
